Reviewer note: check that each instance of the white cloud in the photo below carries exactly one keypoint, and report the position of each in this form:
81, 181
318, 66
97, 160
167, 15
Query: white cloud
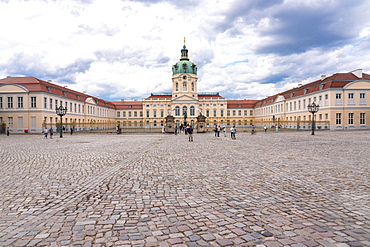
125, 49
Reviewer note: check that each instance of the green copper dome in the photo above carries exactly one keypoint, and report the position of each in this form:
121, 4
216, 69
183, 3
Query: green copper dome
184, 65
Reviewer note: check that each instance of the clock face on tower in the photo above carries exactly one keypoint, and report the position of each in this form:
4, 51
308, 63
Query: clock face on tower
184, 77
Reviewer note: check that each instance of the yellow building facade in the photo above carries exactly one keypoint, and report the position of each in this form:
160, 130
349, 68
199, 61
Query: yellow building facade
28, 104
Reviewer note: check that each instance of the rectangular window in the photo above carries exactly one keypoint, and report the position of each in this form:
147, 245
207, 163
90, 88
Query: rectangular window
362, 118
154, 113
33, 122
214, 112
19, 102
123, 114
129, 114
350, 118
51, 104
326, 116
75, 108
10, 102
251, 113
245, 113
147, 113
351, 98
10, 122
320, 100
20, 122
118, 114
79, 108
299, 104
239, 112
33, 102
304, 104
228, 113
234, 113
1, 103
362, 99
338, 118
162, 113
222, 112
184, 87
326, 99
56, 104
45, 102
338, 99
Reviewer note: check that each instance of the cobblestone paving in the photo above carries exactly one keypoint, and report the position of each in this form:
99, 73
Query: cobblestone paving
273, 189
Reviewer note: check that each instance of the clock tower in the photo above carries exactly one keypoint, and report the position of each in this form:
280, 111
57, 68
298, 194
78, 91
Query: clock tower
184, 77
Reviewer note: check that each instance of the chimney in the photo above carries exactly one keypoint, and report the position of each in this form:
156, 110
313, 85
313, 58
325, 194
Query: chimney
323, 77
358, 73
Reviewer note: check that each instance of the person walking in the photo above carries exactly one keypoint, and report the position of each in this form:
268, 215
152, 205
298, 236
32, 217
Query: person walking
233, 132
7, 131
215, 130
253, 130
225, 131
265, 129
218, 130
190, 133
45, 133
277, 128
176, 130
51, 132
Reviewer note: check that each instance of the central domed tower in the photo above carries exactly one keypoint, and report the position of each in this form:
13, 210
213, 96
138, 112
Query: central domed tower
184, 76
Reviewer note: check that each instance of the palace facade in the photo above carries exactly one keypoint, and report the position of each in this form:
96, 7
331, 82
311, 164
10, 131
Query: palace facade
28, 104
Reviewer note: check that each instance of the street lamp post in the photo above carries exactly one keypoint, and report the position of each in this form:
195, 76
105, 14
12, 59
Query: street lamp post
61, 111
313, 108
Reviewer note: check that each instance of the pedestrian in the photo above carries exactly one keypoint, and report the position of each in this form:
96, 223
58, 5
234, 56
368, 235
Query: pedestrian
7, 131
163, 130
265, 128
218, 130
277, 128
225, 131
72, 129
176, 130
51, 132
190, 133
215, 130
233, 132
45, 133
253, 130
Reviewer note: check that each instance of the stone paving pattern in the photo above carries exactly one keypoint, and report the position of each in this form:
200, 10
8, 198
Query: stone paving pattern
273, 189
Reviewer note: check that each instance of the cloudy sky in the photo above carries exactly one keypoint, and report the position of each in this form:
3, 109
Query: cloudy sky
245, 49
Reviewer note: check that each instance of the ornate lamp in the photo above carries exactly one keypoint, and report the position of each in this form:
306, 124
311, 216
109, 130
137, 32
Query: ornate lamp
313, 108
61, 111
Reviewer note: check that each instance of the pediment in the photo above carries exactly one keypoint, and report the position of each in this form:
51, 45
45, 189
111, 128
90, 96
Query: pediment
186, 98
13, 88
90, 101
279, 98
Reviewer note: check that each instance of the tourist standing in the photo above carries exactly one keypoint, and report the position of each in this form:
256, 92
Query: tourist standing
51, 132
225, 131
7, 131
233, 132
265, 128
189, 130
277, 128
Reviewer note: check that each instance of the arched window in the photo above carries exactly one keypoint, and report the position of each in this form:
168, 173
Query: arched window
192, 86
184, 109
177, 86
192, 110
184, 86
177, 111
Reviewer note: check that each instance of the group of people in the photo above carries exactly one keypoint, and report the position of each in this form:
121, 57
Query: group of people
188, 130
48, 131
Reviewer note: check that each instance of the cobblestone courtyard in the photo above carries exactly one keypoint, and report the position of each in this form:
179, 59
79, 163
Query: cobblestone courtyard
273, 189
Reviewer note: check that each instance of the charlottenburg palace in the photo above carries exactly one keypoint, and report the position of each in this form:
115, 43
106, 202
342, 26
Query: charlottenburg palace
28, 104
